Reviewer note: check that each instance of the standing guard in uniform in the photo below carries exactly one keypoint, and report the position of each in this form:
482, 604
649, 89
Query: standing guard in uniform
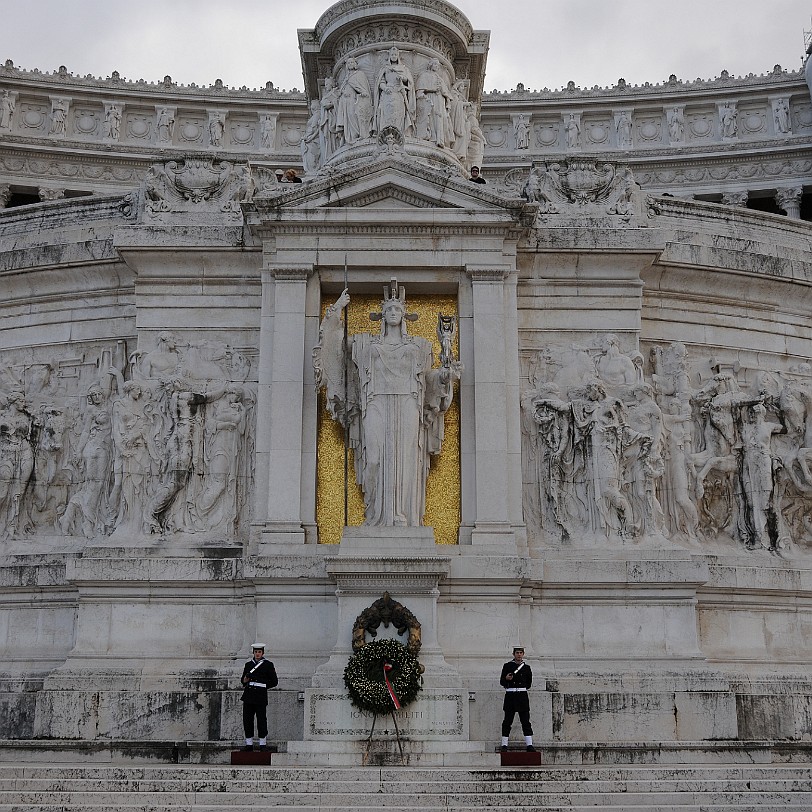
516, 679
257, 676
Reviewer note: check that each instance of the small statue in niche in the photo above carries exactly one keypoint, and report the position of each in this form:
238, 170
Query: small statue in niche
624, 130
165, 126
217, 129
572, 132
267, 131
728, 121
781, 115
522, 132
7, 105
59, 118
676, 125
111, 126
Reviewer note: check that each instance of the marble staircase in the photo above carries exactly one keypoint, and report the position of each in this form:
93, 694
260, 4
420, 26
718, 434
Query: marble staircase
621, 788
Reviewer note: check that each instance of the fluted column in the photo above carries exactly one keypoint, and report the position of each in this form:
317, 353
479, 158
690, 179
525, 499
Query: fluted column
790, 201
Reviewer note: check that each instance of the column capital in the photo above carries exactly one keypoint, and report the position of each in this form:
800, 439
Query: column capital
291, 272
488, 273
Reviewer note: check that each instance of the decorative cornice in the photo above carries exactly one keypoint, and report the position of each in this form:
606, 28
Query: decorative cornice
291, 273
488, 273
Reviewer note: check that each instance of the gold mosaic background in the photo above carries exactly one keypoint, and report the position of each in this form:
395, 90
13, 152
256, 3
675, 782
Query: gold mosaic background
443, 487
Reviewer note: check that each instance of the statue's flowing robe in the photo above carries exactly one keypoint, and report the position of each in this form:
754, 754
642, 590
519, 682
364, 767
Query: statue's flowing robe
394, 415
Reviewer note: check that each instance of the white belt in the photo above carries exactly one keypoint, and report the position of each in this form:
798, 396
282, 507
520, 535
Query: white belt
513, 690
263, 685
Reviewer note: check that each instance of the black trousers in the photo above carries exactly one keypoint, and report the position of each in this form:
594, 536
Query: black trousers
517, 702
248, 713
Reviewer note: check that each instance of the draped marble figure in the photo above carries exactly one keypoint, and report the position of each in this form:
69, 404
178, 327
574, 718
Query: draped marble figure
392, 406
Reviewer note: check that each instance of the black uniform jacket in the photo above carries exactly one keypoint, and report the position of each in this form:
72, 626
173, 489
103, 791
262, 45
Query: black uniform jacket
523, 677
261, 677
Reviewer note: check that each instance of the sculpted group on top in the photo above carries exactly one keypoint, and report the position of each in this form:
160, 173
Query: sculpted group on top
396, 94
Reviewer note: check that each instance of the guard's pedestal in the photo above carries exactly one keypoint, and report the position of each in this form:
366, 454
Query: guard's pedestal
520, 758
406, 563
244, 758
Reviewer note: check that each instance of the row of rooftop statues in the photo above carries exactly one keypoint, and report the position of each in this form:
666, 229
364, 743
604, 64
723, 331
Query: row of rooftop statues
616, 448
609, 455
367, 102
166, 450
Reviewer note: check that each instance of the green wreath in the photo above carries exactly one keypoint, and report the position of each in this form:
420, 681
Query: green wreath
364, 676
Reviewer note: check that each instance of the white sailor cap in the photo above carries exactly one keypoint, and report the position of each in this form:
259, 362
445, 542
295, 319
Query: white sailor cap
258, 645
518, 648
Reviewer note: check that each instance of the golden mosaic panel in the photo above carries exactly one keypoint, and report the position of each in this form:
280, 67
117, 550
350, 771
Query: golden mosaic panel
443, 489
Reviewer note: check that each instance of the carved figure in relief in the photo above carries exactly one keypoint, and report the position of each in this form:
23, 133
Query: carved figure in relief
165, 126
87, 511
758, 486
599, 434
134, 429
217, 129
329, 139
111, 126
311, 151
476, 138
613, 367
781, 115
459, 120
680, 510
163, 361
432, 100
393, 408
541, 188
267, 131
395, 96
214, 507
572, 132
59, 118
522, 132
624, 130
728, 116
643, 462
7, 105
676, 125
355, 107
16, 460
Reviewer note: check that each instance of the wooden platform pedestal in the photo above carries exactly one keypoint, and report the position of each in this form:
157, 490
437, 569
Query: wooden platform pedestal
520, 758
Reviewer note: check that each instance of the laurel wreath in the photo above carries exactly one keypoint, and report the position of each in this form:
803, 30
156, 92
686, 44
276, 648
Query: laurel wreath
363, 676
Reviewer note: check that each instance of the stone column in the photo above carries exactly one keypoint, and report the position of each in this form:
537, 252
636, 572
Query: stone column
5, 195
495, 401
283, 357
790, 201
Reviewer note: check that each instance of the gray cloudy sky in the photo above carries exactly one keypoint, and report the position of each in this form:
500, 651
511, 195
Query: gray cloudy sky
542, 43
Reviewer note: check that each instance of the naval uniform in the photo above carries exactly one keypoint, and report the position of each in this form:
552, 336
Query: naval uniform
261, 676
516, 698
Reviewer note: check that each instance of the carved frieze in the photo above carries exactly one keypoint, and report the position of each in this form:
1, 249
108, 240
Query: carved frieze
680, 451
156, 443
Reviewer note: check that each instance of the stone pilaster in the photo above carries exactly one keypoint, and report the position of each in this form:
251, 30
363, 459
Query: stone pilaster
5, 195
283, 357
497, 459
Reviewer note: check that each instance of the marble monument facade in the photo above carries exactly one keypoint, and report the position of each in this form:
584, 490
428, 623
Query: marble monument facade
621, 399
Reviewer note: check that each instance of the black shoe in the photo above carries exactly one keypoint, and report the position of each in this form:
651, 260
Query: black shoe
249, 748
530, 748
504, 748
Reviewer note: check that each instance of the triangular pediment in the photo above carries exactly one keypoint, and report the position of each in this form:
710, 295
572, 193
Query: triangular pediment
391, 183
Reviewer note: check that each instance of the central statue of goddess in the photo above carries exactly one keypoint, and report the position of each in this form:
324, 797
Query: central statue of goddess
383, 391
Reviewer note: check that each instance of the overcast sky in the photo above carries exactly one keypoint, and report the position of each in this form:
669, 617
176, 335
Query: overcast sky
542, 43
